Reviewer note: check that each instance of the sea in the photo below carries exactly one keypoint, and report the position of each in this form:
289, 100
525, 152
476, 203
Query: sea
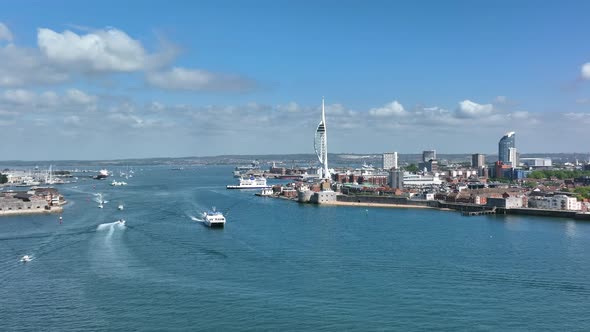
282, 266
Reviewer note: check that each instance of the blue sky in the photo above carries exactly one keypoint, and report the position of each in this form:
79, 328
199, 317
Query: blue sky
146, 79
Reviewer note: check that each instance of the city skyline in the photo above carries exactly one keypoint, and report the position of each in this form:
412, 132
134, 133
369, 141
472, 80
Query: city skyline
176, 80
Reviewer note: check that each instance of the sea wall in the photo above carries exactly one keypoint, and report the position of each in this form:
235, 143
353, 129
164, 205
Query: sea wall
385, 200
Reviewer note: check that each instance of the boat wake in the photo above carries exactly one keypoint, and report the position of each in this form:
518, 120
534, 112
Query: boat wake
193, 218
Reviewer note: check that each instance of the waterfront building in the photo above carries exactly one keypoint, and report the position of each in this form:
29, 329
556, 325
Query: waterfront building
389, 160
478, 160
428, 155
321, 145
506, 142
555, 202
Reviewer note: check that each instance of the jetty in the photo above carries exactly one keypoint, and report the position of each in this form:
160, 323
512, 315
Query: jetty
479, 213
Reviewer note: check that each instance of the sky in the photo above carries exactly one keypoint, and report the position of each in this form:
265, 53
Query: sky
136, 79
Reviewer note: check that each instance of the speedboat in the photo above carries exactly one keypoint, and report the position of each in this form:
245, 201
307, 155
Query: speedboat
100, 206
121, 221
214, 218
120, 207
26, 259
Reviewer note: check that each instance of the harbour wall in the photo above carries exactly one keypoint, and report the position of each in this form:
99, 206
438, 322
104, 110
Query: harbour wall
385, 200
463, 207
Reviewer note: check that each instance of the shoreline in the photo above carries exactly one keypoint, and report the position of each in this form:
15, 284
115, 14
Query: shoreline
56, 209
382, 205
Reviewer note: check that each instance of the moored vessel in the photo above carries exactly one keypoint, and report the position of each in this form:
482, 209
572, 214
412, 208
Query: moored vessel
251, 183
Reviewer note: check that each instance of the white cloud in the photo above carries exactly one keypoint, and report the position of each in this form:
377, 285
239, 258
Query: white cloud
392, 109
22, 67
469, 109
78, 97
5, 33
18, 97
99, 51
585, 71
179, 78
520, 115
72, 120
500, 100
28, 101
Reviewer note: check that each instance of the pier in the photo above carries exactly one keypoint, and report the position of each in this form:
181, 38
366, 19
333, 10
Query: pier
479, 213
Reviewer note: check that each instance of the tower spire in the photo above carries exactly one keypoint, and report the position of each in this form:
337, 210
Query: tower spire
321, 144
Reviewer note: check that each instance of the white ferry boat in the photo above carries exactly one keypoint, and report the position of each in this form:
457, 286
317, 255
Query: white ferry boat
251, 183
214, 218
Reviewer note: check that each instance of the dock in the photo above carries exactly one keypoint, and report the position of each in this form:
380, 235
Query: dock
479, 213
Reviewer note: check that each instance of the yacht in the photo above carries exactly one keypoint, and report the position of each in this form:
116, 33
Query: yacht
214, 218
251, 183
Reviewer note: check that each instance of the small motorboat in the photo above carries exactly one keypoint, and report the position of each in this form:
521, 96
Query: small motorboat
26, 259
120, 207
100, 206
121, 221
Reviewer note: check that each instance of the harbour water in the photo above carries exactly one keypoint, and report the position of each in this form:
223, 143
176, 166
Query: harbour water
279, 265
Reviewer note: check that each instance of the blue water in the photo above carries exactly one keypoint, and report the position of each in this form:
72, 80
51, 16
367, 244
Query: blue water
283, 266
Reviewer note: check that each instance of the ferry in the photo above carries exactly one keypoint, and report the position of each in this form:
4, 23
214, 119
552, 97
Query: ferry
251, 183
214, 218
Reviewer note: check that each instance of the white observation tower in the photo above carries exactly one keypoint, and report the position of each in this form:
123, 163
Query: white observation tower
321, 145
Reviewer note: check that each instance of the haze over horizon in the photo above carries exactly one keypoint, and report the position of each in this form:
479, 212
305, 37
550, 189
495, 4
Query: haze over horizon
122, 80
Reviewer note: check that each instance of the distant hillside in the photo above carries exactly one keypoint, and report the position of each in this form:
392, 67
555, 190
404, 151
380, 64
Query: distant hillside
335, 159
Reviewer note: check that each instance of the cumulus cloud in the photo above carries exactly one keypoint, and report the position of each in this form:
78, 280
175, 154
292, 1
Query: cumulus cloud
23, 66
28, 101
470, 109
585, 71
5, 33
79, 97
391, 109
99, 51
179, 78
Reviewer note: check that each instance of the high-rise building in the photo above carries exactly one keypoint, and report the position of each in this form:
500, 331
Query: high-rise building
513, 157
321, 145
428, 155
389, 160
478, 160
506, 142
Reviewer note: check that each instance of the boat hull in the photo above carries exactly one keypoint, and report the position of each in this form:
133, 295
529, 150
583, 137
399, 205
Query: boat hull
248, 187
215, 224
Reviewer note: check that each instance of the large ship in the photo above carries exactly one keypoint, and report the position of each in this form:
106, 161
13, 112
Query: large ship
251, 183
